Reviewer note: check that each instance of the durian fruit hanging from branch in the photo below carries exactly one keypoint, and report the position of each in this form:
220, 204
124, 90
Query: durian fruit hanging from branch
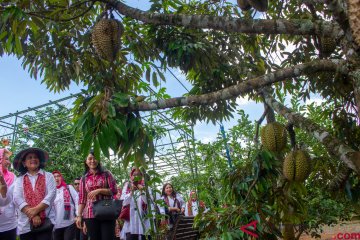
297, 165
354, 19
106, 37
273, 137
259, 5
327, 46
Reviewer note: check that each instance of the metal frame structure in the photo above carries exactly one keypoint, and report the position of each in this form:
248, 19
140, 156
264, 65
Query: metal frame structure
172, 148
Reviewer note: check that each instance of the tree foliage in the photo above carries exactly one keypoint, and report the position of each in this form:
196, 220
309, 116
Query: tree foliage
296, 49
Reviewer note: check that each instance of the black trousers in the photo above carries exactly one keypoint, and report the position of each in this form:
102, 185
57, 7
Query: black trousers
136, 237
47, 235
8, 235
66, 233
100, 230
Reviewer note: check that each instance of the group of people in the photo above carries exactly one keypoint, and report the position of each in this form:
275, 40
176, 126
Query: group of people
39, 205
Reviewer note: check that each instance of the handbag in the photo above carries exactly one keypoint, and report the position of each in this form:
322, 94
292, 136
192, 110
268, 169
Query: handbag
44, 227
106, 209
125, 213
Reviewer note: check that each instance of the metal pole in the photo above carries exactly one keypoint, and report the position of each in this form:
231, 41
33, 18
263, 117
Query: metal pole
226, 145
15, 130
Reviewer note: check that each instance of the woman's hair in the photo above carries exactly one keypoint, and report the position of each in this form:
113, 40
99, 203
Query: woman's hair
99, 168
173, 194
24, 169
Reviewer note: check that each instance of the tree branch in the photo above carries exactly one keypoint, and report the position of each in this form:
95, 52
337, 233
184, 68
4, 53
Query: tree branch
230, 24
239, 89
339, 12
334, 146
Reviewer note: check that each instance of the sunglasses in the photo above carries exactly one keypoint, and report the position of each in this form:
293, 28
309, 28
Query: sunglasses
76, 183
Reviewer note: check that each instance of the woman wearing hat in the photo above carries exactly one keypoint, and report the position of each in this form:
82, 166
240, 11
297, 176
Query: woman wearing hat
8, 221
96, 184
66, 207
34, 193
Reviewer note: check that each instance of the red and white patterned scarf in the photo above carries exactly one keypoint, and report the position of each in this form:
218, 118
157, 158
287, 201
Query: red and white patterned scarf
66, 194
34, 196
194, 199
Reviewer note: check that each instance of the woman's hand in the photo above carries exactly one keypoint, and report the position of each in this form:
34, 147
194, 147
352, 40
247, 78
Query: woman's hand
2, 180
84, 229
94, 193
3, 186
140, 187
79, 222
182, 210
36, 221
174, 209
31, 212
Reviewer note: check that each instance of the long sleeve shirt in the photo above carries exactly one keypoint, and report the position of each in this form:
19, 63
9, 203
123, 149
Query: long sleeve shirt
91, 182
20, 203
59, 207
139, 223
8, 219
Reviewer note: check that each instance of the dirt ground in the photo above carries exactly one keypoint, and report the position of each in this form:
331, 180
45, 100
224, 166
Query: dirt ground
341, 231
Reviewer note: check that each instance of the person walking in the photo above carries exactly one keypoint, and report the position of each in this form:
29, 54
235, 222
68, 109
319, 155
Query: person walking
66, 208
96, 184
34, 194
138, 225
8, 220
174, 202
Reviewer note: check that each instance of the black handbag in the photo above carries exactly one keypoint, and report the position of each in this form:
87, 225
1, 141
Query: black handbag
106, 209
44, 227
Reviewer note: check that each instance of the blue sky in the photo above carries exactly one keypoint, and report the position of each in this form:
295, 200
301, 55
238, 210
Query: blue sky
20, 92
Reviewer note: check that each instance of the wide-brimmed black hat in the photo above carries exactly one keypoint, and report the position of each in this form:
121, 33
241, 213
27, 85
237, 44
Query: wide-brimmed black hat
20, 157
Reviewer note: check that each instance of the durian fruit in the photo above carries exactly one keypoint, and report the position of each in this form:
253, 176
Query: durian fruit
296, 166
327, 46
244, 5
273, 137
106, 36
354, 19
260, 5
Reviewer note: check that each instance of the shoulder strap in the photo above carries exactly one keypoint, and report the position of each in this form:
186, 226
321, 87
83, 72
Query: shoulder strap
107, 185
67, 187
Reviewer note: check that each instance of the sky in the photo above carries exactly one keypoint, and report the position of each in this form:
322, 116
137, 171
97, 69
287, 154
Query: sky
21, 92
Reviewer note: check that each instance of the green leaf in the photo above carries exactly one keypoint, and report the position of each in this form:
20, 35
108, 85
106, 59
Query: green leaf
111, 110
96, 148
104, 141
86, 143
154, 79
2, 35
147, 74
18, 46
122, 99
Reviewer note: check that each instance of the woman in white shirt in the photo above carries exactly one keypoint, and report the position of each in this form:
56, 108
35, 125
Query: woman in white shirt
66, 207
133, 194
174, 201
8, 221
193, 205
34, 194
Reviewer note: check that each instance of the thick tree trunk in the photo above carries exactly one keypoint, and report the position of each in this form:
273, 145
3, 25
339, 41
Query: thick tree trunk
334, 146
355, 76
239, 89
228, 24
